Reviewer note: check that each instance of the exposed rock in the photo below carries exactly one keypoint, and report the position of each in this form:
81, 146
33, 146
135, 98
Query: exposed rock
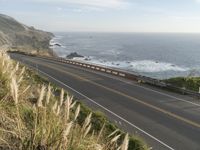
73, 55
18, 36
56, 44
87, 59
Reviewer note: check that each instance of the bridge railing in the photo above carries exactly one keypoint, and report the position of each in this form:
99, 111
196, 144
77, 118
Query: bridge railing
123, 74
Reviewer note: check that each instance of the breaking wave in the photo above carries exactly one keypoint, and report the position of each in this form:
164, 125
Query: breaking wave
153, 66
148, 66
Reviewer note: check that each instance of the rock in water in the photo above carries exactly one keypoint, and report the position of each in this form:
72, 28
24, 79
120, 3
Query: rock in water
56, 44
59, 45
73, 55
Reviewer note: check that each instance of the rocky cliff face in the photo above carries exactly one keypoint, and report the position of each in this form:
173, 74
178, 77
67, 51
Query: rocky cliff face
14, 35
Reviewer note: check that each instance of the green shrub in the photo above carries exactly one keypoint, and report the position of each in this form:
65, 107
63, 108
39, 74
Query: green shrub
190, 83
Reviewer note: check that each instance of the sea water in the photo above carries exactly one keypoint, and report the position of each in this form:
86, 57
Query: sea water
157, 55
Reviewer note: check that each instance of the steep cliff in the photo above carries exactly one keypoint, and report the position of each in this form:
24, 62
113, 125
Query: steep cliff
15, 35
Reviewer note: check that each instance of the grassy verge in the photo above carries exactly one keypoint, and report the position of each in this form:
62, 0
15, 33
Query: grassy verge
47, 53
190, 83
37, 115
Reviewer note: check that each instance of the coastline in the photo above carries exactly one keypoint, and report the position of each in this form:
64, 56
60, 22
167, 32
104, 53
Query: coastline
147, 61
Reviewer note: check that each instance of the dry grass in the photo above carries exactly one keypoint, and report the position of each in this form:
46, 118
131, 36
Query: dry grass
33, 118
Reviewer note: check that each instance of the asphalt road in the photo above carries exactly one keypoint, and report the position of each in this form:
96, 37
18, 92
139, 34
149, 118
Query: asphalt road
163, 119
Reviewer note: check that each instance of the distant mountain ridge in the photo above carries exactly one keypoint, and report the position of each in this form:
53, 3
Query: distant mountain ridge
15, 35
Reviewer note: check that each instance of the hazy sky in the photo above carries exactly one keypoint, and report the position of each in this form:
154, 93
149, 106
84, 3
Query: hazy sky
107, 15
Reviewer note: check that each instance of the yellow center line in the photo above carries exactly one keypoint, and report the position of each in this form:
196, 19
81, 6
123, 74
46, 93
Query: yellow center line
129, 97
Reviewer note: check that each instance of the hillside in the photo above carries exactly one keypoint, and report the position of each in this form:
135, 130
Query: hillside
38, 115
15, 35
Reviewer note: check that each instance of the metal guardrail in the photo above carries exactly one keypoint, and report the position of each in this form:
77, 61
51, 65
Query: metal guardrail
122, 74
104, 69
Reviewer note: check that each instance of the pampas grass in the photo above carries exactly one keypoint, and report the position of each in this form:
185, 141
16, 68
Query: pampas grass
77, 112
61, 97
124, 145
54, 108
41, 97
14, 90
33, 118
48, 94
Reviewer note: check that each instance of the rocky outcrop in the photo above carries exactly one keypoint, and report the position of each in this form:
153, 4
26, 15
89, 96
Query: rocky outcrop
17, 36
73, 55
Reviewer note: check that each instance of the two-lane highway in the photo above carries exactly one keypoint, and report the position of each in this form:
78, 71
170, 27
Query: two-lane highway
165, 120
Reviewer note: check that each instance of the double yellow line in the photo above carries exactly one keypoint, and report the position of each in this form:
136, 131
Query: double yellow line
125, 95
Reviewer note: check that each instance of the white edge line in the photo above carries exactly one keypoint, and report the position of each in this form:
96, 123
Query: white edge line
131, 124
110, 111
146, 88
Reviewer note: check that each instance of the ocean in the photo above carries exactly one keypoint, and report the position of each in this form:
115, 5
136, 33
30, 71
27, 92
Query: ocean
156, 55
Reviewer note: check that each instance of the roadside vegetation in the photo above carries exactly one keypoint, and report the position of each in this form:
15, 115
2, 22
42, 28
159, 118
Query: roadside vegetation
37, 115
190, 83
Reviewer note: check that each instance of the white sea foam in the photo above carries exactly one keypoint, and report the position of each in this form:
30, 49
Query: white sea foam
139, 66
153, 66
85, 58
141, 53
110, 52
53, 43
55, 40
